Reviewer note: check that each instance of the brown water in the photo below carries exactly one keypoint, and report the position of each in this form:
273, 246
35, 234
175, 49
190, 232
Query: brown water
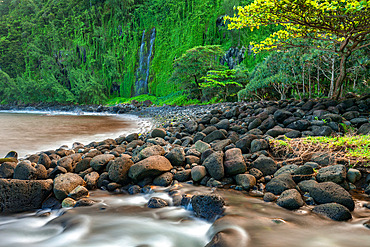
28, 133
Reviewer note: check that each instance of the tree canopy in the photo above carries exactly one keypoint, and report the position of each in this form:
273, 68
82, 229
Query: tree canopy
344, 25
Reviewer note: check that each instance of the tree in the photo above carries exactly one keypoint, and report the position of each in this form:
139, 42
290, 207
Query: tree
344, 24
194, 64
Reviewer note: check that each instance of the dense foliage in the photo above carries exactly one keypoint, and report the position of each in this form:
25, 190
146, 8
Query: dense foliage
343, 25
86, 51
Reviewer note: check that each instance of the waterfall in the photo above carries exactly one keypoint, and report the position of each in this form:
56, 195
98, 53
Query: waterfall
145, 57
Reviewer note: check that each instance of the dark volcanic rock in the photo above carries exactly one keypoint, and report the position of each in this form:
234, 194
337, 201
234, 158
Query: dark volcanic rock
149, 167
99, 162
290, 199
214, 135
156, 202
280, 183
266, 165
333, 211
176, 156
234, 162
25, 171
65, 183
118, 170
328, 192
214, 165
208, 206
164, 179
22, 195
7, 169
335, 173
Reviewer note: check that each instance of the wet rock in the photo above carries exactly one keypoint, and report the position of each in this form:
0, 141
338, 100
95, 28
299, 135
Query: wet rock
65, 183
158, 132
119, 168
290, 199
151, 151
247, 181
84, 202
25, 171
91, 180
328, 192
156, 202
234, 162
183, 176
22, 195
279, 184
176, 156
266, 165
208, 206
198, 173
51, 203
99, 162
7, 169
68, 203
78, 193
214, 165
335, 173
134, 189
367, 190
149, 167
269, 197
164, 179
333, 211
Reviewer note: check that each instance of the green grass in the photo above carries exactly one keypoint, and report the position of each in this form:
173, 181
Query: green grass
177, 98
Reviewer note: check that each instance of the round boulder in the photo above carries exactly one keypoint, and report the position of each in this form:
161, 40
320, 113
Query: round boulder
290, 199
118, 170
65, 183
214, 165
99, 162
333, 211
208, 206
266, 165
247, 181
149, 167
234, 162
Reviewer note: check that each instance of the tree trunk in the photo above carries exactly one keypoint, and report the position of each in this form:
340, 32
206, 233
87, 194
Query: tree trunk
331, 90
309, 84
342, 74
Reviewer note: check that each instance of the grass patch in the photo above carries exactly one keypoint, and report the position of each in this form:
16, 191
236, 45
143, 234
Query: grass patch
177, 98
353, 150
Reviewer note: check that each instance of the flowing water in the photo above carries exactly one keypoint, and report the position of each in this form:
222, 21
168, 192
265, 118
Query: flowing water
27, 133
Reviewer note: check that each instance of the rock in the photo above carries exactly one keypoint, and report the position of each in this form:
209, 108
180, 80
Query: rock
269, 197
25, 171
267, 124
333, 211
201, 146
7, 169
364, 129
198, 173
151, 151
245, 143
290, 199
119, 168
254, 124
281, 115
256, 173
56, 171
367, 190
176, 156
149, 167
199, 136
287, 169
299, 125
234, 162
132, 137
68, 203
164, 179
335, 173
41, 172
258, 145
91, 180
99, 162
158, 132
78, 193
266, 165
306, 185
219, 145
280, 183
351, 115
65, 183
66, 162
191, 126
51, 203
44, 160
276, 131
156, 202
183, 176
191, 159
84, 202
214, 135
214, 165
83, 165
323, 131
353, 175
303, 172
208, 206
223, 124
328, 192
323, 159
23, 195
134, 189
247, 181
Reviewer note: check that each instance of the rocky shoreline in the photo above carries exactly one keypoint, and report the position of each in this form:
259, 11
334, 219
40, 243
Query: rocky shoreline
224, 146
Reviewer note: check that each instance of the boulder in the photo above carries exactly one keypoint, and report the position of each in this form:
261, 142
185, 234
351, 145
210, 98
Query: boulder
328, 192
214, 165
247, 181
234, 162
201, 146
156, 202
269, 197
364, 129
176, 156
258, 145
7, 169
281, 115
208, 206
266, 165
151, 151
287, 169
99, 162
22, 195
25, 171
182, 176
91, 180
279, 184
149, 167
214, 135
44, 160
333, 211
158, 132
336, 174
65, 183
353, 175
290, 199
223, 124
198, 173
164, 179
119, 168
78, 193
66, 162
